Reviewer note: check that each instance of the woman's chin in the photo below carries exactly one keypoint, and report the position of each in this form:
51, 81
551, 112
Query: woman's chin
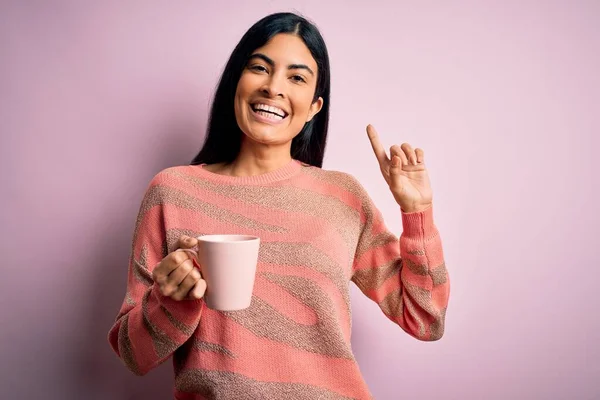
266, 136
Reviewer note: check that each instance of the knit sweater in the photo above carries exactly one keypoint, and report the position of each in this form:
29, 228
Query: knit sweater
319, 230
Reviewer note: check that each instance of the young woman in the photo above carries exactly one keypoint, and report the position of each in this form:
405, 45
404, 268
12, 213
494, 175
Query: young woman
259, 173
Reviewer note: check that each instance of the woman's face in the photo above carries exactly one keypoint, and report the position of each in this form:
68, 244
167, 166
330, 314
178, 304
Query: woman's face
274, 96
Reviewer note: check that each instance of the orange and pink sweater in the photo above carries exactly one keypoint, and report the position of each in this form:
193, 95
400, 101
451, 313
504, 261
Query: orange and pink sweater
319, 230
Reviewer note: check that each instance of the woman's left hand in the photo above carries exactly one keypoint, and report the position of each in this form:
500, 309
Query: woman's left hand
404, 172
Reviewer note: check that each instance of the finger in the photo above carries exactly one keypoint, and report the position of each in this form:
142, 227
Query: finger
192, 254
170, 264
410, 153
186, 285
198, 290
420, 156
396, 150
377, 146
180, 273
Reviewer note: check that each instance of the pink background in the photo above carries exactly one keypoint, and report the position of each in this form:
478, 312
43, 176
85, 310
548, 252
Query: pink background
503, 96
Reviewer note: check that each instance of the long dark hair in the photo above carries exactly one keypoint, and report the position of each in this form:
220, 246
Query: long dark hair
223, 135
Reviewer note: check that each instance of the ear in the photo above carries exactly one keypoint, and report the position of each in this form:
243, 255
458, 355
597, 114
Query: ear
315, 108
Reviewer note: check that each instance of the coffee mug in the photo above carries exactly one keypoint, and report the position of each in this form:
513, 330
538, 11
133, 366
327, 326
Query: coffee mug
228, 265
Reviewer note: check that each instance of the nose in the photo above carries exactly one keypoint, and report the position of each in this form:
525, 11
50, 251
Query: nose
273, 87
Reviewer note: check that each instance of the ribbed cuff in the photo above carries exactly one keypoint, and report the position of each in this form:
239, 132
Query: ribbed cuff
186, 311
419, 225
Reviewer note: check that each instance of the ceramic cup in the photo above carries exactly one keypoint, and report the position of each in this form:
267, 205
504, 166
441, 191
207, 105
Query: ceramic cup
228, 265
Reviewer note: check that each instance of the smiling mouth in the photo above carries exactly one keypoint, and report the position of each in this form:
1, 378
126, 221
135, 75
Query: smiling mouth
270, 112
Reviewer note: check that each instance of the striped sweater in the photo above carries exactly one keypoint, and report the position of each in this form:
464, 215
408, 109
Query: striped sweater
319, 230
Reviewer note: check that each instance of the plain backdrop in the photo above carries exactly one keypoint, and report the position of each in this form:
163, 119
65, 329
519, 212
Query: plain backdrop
503, 96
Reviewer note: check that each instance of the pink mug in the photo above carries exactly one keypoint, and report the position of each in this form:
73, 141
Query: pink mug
228, 265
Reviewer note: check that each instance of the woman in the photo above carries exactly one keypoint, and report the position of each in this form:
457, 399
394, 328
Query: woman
259, 173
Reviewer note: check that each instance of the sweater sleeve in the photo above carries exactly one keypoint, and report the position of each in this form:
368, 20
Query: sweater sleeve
149, 326
406, 277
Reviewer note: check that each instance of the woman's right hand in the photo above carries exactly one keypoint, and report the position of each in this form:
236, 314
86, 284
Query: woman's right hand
176, 274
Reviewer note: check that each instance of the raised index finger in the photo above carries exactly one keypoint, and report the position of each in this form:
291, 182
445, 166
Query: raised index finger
376, 144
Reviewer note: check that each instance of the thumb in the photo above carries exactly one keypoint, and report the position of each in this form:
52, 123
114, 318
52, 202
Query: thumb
186, 242
396, 166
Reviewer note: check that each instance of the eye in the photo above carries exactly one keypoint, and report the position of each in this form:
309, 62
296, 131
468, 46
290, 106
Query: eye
258, 68
298, 78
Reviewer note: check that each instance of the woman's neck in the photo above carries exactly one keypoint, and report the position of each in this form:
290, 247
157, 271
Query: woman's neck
251, 163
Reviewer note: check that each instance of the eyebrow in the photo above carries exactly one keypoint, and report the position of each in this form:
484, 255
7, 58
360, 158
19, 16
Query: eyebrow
272, 63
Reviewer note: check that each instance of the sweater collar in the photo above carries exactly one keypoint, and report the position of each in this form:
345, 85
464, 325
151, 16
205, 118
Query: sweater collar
282, 173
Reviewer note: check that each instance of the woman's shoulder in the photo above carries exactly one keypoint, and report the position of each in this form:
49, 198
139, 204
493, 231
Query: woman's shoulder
172, 175
337, 178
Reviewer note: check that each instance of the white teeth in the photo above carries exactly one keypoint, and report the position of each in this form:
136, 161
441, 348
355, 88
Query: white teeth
269, 115
270, 109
